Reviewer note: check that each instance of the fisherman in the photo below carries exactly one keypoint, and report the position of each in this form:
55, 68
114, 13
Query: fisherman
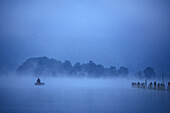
150, 85
155, 83
38, 80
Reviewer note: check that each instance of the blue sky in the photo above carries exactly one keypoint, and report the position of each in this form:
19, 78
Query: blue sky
133, 33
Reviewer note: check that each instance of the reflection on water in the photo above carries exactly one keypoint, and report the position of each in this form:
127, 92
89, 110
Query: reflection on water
80, 96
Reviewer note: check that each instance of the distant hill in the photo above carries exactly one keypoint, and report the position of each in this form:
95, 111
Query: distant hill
49, 66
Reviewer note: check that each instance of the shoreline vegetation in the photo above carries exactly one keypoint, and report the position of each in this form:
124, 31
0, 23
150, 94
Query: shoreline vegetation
44, 65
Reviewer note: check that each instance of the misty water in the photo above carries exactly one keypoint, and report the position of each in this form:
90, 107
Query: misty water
70, 95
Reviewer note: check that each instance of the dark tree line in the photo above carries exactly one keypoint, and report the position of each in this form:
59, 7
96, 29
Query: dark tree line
148, 73
44, 65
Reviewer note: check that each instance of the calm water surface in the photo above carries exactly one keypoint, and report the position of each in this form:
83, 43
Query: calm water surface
80, 96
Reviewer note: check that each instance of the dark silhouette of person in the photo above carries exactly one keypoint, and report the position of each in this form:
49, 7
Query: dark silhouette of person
150, 84
158, 85
155, 83
38, 80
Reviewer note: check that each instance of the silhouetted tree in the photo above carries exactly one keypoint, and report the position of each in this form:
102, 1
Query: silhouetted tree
67, 66
91, 67
149, 72
77, 67
112, 70
100, 70
123, 71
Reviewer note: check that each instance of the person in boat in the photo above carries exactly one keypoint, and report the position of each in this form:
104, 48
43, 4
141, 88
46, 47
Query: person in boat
38, 80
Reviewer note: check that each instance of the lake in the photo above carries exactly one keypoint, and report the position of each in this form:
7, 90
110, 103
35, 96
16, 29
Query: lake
68, 95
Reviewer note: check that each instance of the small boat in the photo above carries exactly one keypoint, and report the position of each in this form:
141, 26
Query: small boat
40, 83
